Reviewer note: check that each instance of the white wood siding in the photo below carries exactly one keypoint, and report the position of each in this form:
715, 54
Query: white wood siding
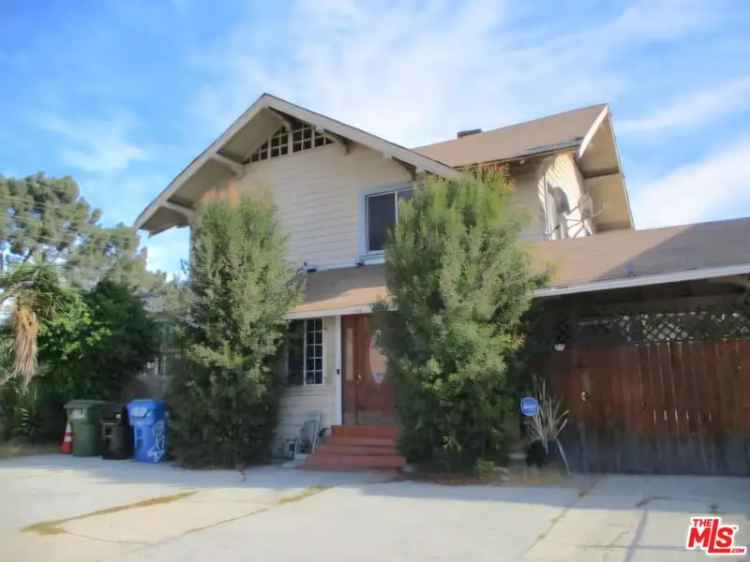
529, 206
529, 195
561, 171
297, 401
318, 193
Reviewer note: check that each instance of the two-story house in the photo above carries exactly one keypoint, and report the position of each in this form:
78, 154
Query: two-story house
337, 189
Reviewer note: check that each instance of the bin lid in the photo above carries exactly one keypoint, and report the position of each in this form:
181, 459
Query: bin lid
141, 408
84, 404
114, 411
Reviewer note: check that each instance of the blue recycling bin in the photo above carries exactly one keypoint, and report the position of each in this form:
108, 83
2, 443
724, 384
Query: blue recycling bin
149, 421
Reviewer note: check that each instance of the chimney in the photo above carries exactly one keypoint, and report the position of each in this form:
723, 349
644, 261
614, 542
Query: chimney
468, 132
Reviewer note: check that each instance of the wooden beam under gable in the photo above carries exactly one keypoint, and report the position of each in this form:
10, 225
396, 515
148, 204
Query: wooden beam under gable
185, 211
343, 141
236, 167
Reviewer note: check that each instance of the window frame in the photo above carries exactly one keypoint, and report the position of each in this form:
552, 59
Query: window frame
392, 190
306, 322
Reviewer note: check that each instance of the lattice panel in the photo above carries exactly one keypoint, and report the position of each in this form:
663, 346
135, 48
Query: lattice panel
633, 327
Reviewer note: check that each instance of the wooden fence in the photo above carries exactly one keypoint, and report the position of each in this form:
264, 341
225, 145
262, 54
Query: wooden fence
679, 407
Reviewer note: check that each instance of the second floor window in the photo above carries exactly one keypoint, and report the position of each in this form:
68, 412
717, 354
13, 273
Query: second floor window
382, 214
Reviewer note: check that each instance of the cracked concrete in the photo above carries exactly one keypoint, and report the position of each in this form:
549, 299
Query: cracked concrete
64, 509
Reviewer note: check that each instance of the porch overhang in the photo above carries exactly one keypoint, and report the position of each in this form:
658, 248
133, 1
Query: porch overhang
338, 292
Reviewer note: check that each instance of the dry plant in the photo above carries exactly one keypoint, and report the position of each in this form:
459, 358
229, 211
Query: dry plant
549, 422
25, 326
32, 292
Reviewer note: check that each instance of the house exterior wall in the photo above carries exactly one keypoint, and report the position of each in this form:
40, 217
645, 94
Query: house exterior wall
528, 205
319, 195
297, 401
562, 171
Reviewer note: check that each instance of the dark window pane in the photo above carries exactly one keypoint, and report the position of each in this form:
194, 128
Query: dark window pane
381, 216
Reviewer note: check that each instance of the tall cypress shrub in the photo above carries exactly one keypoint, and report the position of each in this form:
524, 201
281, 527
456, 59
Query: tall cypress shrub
459, 283
225, 399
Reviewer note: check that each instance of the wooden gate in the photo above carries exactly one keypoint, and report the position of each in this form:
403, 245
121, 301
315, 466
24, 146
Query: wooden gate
656, 408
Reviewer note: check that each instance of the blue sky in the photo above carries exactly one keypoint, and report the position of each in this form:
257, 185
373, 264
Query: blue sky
122, 95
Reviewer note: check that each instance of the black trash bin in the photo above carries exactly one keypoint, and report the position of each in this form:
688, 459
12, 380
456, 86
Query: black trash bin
117, 435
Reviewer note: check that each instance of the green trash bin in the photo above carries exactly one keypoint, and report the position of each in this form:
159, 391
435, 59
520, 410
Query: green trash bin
84, 417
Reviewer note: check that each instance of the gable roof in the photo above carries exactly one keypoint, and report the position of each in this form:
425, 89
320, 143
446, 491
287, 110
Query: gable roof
172, 206
563, 130
612, 260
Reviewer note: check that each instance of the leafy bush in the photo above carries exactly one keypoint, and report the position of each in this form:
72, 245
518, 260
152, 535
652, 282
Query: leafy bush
225, 401
459, 284
96, 342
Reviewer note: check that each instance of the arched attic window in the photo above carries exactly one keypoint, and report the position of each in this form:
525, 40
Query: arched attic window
302, 137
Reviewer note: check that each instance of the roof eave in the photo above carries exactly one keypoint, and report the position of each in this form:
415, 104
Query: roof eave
419, 162
645, 280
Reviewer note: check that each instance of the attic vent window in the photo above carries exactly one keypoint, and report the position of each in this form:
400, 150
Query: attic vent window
301, 137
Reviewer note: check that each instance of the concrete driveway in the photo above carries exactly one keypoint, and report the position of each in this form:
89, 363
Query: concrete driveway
57, 508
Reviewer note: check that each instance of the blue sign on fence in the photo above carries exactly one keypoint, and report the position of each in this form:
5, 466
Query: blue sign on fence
529, 406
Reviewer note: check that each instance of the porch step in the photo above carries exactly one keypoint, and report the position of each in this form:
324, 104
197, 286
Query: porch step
347, 462
366, 431
357, 447
336, 448
363, 441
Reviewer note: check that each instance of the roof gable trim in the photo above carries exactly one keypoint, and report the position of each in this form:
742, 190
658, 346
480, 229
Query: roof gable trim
340, 130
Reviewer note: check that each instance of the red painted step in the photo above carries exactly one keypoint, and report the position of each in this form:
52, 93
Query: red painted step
335, 448
357, 447
355, 461
369, 431
364, 441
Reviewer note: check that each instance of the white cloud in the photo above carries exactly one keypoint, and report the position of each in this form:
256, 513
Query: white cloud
421, 72
715, 187
95, 146
695, 109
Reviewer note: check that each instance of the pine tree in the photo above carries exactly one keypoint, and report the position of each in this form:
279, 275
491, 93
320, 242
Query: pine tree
225, 401
45, 220
459, 283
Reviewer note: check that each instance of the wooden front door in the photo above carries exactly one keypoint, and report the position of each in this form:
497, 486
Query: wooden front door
368, 393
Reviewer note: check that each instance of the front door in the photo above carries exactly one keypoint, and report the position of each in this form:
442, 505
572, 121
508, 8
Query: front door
368, 393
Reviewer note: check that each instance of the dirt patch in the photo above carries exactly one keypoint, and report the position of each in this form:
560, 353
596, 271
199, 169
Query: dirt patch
55, 527
13, 450
515, 476
304, 494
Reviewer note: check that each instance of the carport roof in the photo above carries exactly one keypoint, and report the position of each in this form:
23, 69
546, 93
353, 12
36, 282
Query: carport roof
617, 259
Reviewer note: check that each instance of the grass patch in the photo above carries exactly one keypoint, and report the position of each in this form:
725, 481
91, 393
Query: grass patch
55, 527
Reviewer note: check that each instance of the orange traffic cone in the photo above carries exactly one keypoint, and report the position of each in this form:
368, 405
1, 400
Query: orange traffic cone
66, 447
